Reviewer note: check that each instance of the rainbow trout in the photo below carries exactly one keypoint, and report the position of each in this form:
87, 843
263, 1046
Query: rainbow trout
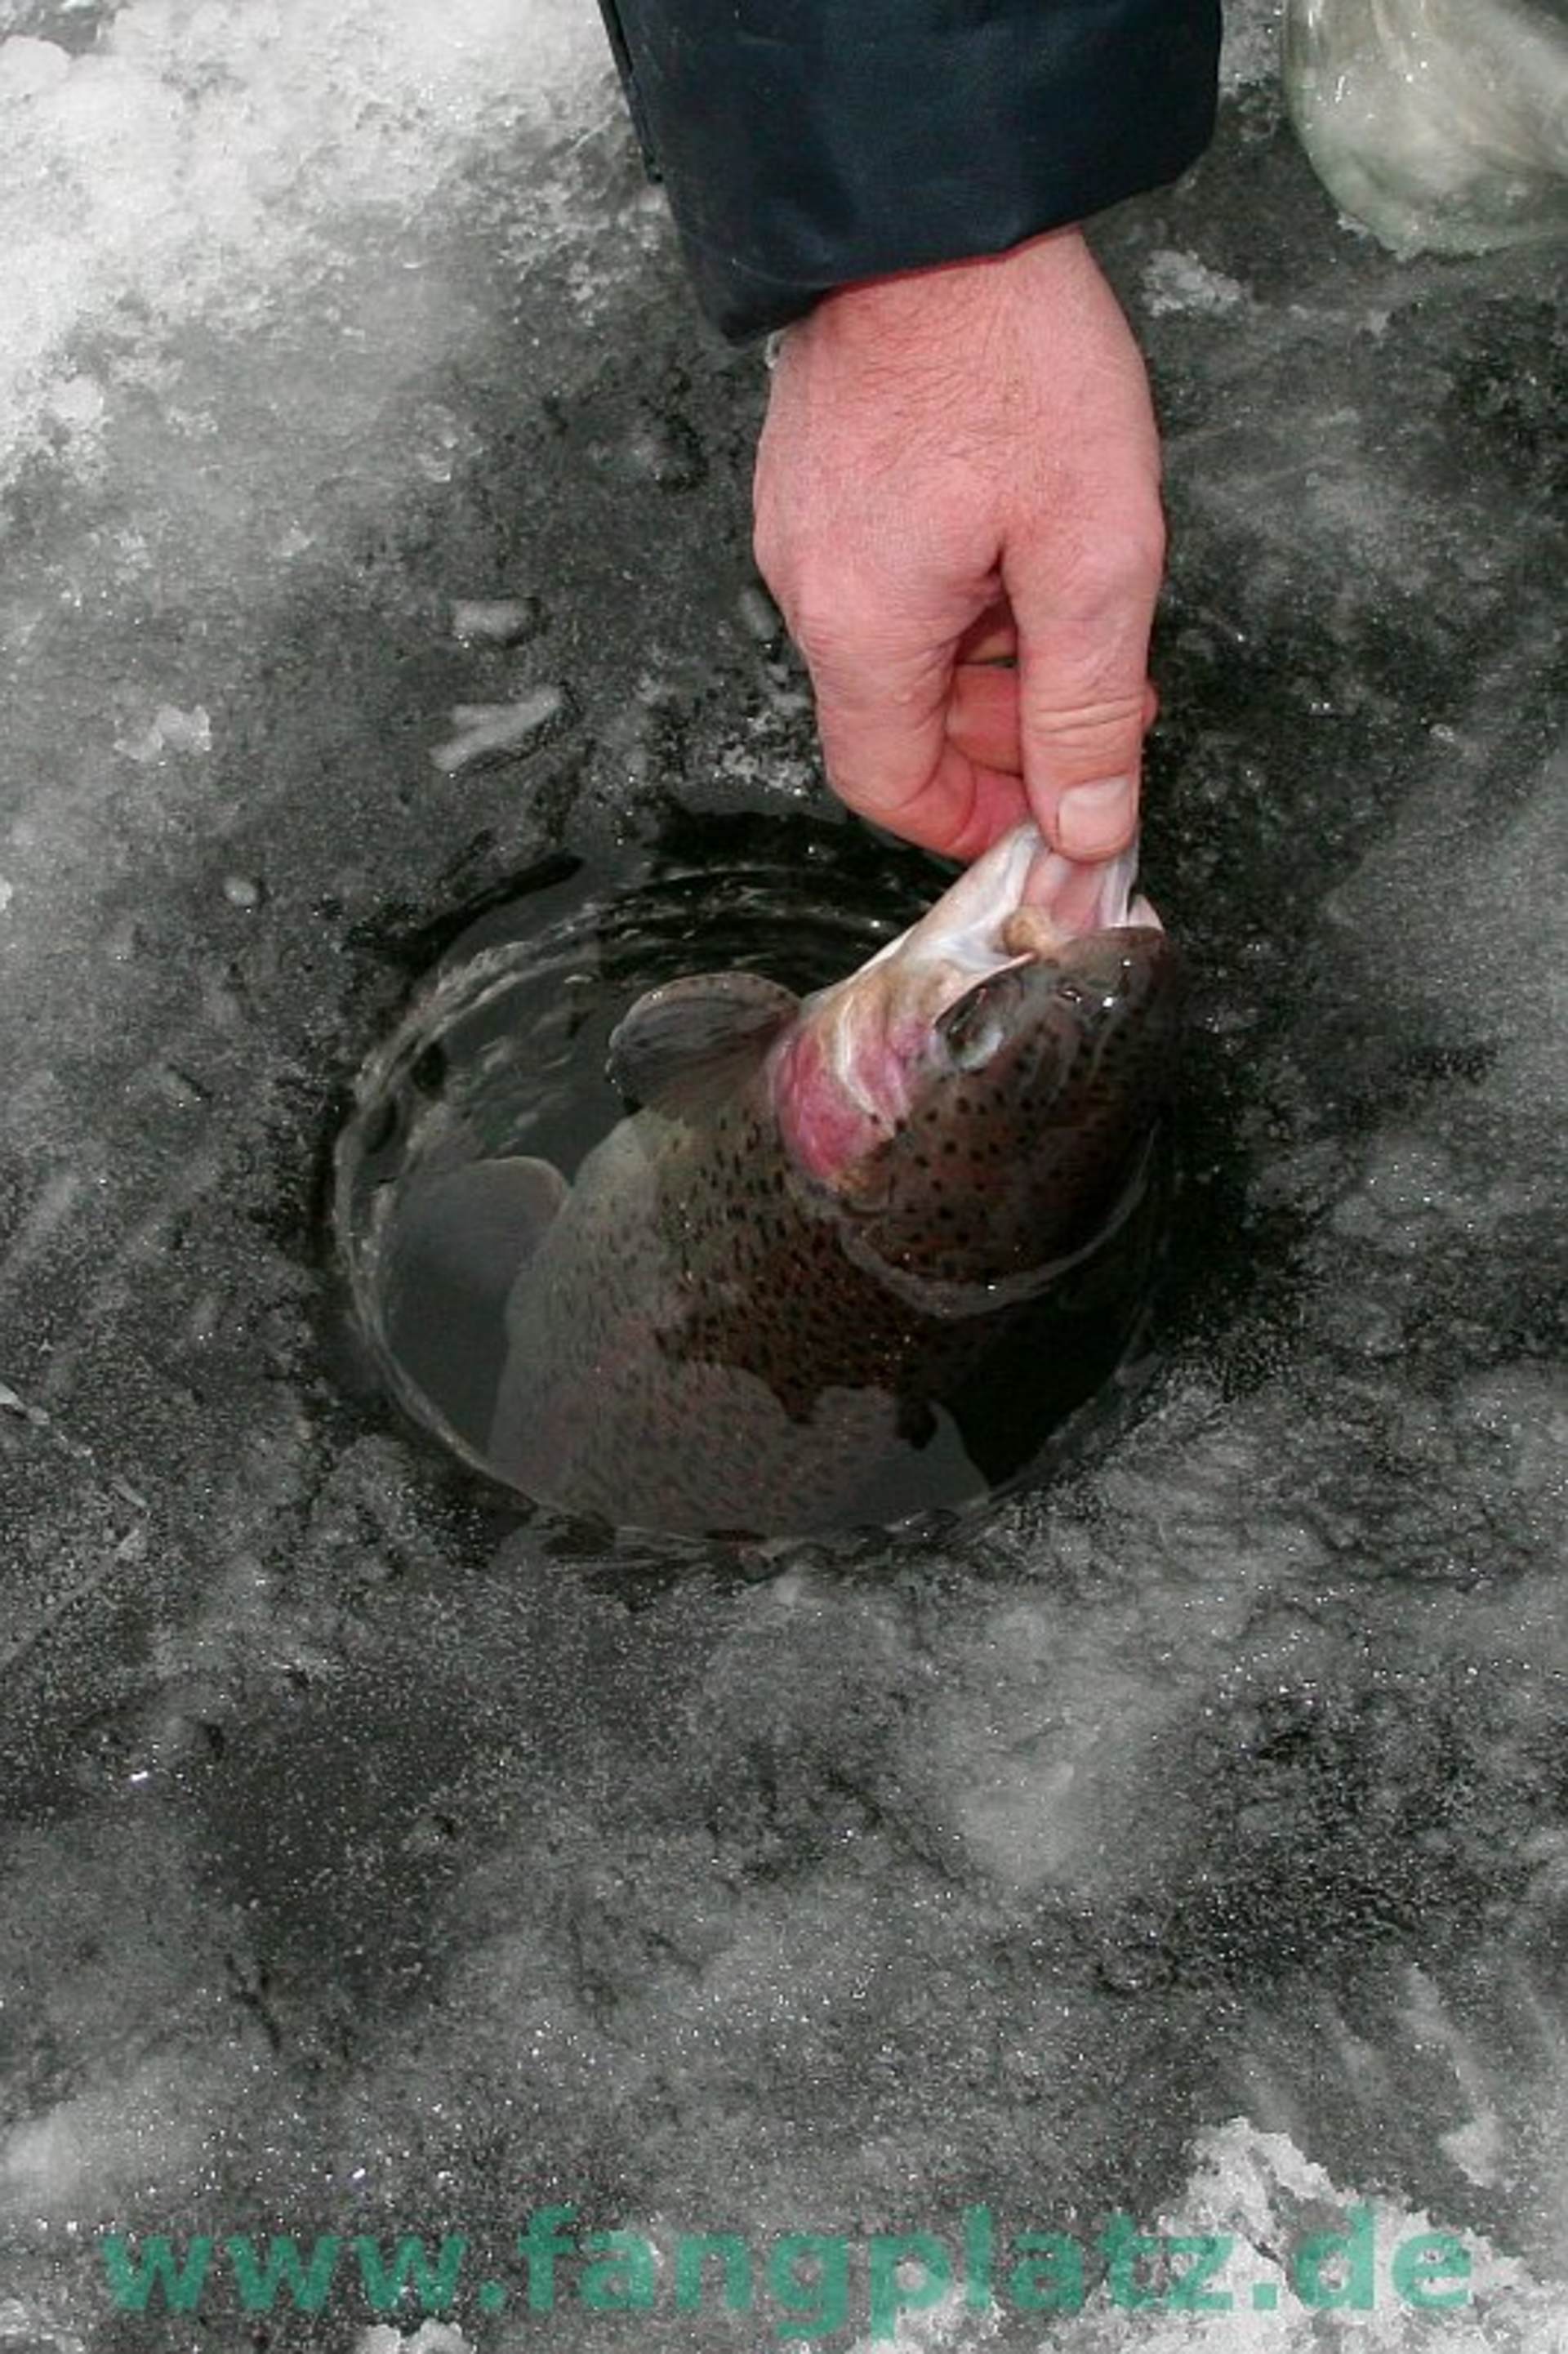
825, 1211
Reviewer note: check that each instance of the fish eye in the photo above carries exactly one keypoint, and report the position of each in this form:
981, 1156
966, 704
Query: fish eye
973, 1032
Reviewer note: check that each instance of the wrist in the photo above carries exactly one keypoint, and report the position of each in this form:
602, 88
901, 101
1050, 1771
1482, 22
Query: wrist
900, 309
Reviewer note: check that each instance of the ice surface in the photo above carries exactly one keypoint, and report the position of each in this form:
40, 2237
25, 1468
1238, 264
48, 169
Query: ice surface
200, 162
1147, 1842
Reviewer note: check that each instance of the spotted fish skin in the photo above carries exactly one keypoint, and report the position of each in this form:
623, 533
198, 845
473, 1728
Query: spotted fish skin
765, 1279
669, 1363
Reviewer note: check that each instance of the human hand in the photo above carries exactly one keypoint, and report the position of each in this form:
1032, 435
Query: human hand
960, 468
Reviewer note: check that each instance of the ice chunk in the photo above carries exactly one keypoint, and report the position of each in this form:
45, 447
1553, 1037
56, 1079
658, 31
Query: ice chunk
170, 729
498, 620
487, 730
1180, 281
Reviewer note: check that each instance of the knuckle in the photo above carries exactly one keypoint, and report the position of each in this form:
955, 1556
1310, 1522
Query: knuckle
835, 620
817, 622
1097, 729
1091, 715
1121, 559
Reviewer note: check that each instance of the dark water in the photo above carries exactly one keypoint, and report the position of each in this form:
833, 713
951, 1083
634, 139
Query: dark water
503, 1053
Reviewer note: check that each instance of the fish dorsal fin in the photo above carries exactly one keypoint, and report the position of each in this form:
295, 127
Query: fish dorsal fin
685, 1047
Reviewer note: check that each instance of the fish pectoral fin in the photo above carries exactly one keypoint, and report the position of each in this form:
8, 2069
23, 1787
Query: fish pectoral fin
685, 1047
470, 1231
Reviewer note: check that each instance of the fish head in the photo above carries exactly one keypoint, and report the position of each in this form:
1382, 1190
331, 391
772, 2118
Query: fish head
980, 1099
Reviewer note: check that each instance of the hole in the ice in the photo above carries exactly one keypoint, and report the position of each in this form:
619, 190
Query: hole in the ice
669, 1353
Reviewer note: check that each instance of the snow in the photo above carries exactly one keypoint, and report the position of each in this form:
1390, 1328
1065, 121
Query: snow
200, 162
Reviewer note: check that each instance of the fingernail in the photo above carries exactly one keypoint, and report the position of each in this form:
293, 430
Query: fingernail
1094, 821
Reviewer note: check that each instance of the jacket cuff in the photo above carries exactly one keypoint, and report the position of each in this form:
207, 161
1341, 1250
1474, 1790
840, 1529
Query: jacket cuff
807, 143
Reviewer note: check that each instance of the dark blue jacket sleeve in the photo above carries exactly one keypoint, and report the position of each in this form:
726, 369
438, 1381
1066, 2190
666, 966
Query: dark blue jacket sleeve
804, 143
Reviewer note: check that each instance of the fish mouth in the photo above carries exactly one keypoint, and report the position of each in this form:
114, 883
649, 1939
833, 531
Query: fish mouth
845, 1078
1021, 903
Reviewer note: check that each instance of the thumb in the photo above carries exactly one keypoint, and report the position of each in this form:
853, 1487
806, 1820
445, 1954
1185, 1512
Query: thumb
1084, 696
